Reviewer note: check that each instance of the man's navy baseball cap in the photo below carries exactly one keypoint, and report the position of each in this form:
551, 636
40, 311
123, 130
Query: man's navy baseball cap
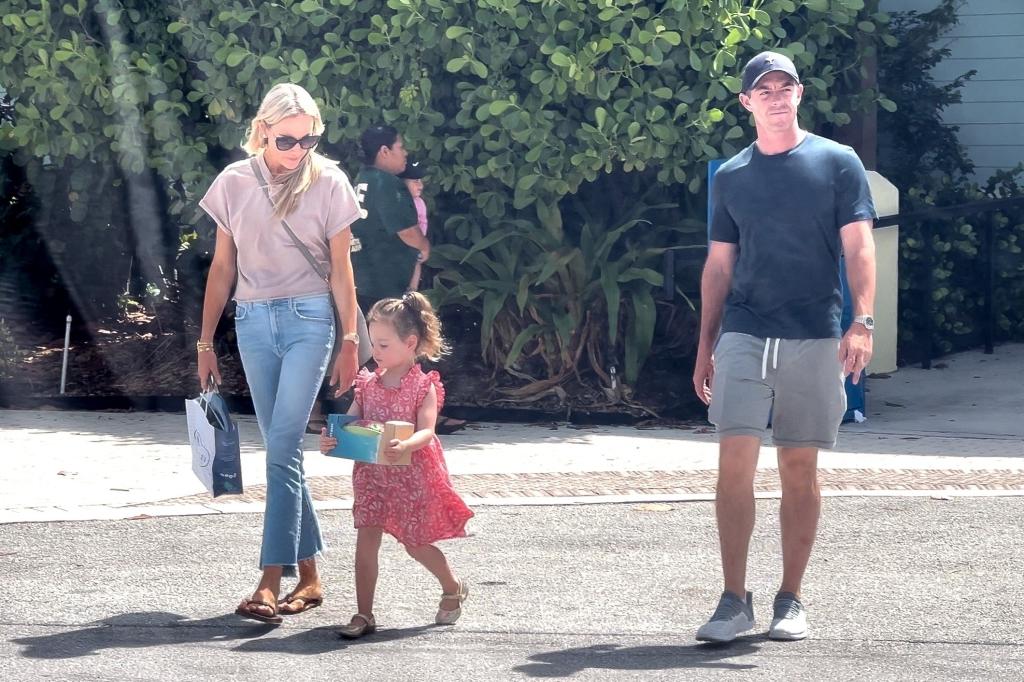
765, 63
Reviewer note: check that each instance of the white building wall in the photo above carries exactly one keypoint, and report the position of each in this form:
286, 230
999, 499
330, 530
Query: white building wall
989, 39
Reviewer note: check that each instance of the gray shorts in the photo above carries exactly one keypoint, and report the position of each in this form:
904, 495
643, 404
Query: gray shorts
796, 384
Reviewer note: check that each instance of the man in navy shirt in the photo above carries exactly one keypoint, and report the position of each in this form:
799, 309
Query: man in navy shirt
784, 210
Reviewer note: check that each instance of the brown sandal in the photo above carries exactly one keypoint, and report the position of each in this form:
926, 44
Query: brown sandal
246, 610
286, 609
356, 630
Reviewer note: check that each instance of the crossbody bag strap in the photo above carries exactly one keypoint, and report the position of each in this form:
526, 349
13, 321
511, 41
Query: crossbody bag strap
364, 334
321, 273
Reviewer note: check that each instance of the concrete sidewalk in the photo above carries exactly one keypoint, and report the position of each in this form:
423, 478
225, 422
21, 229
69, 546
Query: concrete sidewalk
955, 431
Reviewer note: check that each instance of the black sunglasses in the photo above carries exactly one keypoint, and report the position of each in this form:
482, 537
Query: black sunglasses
286, 142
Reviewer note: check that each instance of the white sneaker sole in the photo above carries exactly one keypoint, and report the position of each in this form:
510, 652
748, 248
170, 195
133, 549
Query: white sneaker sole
783, 636
706, 634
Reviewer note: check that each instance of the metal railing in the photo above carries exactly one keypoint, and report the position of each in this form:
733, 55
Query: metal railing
929, 219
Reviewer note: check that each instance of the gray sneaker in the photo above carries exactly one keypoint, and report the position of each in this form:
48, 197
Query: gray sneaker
732, 617
789, 619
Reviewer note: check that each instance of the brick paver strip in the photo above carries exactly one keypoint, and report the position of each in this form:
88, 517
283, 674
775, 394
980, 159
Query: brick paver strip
702, 482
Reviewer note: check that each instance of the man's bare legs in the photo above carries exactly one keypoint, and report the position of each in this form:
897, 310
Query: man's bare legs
798, 515
734, 507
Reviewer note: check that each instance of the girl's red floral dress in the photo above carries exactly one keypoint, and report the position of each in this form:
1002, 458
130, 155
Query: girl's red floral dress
416, 503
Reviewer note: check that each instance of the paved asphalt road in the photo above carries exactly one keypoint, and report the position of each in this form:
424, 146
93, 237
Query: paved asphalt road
899, 589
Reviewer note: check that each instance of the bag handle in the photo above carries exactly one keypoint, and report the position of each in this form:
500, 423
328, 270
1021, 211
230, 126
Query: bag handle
321, 273
205, 399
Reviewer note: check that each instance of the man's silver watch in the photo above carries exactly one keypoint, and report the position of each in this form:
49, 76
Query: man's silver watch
867, 321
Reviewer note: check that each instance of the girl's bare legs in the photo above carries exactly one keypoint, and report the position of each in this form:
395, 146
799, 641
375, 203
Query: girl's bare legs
367, 551
435, 562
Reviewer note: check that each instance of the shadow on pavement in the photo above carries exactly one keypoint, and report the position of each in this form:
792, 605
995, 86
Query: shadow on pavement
324, 639
139, 630
615, 657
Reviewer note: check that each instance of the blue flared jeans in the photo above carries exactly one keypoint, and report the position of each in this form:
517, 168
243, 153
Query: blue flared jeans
285, 344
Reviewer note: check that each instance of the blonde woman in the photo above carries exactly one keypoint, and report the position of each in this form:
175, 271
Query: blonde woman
283, 218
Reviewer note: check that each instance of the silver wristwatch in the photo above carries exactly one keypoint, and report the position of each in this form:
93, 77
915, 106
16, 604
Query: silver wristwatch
867, 321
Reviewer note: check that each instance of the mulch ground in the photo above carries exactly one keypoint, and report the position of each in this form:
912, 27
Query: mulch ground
134, 356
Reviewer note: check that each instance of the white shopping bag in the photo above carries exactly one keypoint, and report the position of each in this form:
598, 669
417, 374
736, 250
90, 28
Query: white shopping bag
215, 447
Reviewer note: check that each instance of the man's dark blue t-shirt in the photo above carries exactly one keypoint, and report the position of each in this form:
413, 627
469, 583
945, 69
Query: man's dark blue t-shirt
784, 211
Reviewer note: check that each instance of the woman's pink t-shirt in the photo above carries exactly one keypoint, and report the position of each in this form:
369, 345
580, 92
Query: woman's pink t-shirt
269, 263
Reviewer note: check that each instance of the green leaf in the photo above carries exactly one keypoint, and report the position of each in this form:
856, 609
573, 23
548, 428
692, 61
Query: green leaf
662, 93
560, 59
652, 277
490, 240
523, 294
493, 303
455, 32
887, 104
527, 182
732, 84
478, 68
318, 65
671, 37
553, 263
600, 116
522, 338
235, 58
498, 107
612, 298
456, 64
641, 334
866, 26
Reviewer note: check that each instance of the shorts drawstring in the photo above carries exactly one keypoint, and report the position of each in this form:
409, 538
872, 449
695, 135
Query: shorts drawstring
764, 357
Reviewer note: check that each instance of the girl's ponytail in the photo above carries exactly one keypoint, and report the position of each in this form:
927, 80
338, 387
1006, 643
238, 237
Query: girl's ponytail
413, 314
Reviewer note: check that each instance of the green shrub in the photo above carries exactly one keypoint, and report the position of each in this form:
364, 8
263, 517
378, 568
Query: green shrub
550, 120
940, 175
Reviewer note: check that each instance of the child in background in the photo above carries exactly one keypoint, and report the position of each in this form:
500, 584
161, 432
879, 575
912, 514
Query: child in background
413, 176
416, 504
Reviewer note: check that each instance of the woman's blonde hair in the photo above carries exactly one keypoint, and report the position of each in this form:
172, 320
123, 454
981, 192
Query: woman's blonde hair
413, 314
284, 100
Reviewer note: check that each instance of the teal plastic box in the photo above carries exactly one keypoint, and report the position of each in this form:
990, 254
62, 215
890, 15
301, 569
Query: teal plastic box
358, 439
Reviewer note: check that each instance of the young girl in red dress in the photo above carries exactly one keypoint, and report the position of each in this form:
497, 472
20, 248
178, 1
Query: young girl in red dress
416, 504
